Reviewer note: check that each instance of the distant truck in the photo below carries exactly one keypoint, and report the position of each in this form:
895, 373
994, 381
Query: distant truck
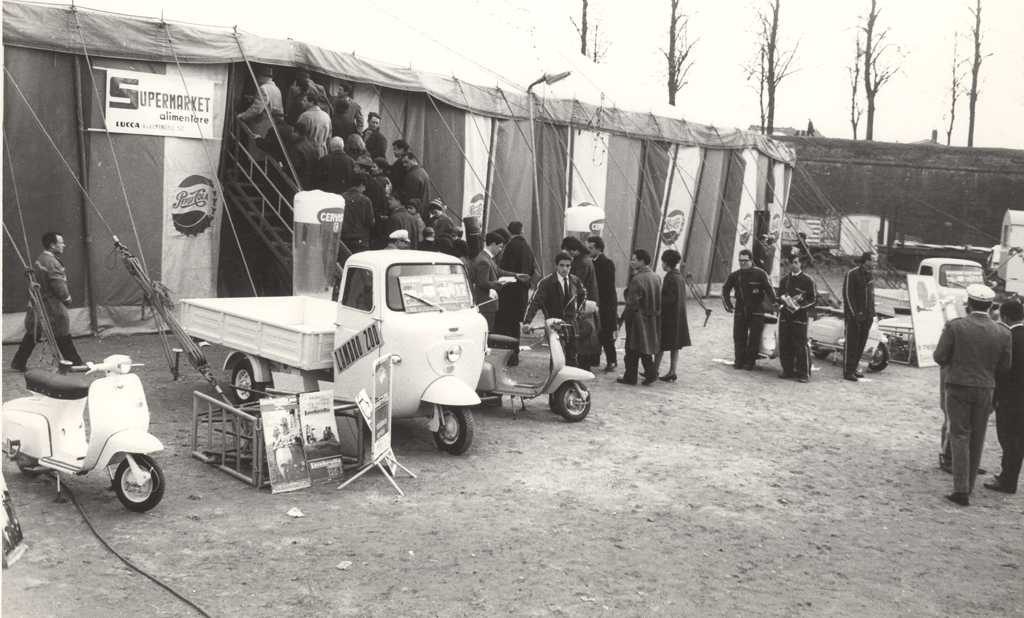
951, 276
1006, 263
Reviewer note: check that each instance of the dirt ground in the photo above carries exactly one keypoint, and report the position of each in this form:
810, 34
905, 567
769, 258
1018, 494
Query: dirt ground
728, 492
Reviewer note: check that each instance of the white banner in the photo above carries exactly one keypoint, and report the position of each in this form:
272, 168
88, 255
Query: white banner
154, 104
677, 215
192, 208
478, 153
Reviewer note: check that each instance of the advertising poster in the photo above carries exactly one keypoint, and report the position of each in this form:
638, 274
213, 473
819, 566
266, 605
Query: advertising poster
282, 436
155, 104
928, 316
381, 428
320, 443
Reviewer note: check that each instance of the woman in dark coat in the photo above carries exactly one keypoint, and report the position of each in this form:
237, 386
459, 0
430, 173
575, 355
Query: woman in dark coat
675, 332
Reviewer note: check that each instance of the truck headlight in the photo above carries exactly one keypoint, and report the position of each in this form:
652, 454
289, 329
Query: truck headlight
453, 354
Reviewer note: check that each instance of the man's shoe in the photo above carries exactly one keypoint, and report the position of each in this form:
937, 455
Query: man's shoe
649, 381
610, 367
802, 379
960, 499
785, 376
625, 381
859, 373
997, 486
749, 366
851, 377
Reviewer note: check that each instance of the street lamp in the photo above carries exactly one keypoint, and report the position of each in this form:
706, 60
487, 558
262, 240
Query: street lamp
547, 78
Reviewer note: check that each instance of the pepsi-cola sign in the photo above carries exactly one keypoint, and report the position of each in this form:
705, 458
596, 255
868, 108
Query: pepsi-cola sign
193, 203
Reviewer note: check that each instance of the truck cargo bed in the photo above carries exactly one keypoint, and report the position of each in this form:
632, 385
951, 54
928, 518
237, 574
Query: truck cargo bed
294, 330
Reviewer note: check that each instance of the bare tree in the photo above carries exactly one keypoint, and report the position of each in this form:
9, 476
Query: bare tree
955, 88
680, 48
972, 96
854, 71
589, 47
876, 70
772, 65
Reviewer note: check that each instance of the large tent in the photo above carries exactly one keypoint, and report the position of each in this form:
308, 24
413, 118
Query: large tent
663, 182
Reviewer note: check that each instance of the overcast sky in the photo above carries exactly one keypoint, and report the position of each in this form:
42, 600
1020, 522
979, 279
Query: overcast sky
509, 42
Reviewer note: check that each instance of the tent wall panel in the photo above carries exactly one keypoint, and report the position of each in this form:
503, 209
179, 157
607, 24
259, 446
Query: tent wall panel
700, 247
621, 192
50, 199
444, 143
368, 98
392, 114
652, 195
728, 219
677, 216
552, 164
512, 198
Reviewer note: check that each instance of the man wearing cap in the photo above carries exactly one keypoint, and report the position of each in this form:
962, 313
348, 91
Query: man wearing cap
1009, 398
376, 143
859, 313
259, 116
403, 219
972, 351
438, 218
399, 239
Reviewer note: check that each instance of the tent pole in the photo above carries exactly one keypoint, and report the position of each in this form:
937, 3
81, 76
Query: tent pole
536, 187
83, 174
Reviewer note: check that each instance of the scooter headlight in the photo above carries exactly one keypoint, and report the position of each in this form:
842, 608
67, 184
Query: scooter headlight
453, 354
125, 367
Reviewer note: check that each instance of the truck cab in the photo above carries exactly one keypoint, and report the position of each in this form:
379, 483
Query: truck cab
952, 276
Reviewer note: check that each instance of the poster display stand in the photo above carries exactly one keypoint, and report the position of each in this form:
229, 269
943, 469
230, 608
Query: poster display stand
376, 413
929, 312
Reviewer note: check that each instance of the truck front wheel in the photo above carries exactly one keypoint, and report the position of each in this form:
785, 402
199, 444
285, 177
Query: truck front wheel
456, 432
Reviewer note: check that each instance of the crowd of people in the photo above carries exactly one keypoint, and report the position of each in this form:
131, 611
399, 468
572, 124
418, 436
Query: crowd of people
330, 147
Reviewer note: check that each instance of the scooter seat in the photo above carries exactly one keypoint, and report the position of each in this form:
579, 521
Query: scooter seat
502, 342
56, 385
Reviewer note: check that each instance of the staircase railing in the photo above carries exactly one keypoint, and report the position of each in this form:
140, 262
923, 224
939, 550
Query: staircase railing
265, 175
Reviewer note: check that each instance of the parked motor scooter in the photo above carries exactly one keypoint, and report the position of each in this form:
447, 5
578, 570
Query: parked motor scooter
567, 394
72, 425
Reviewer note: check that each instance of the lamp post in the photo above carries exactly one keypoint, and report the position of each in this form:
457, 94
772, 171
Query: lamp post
548, 79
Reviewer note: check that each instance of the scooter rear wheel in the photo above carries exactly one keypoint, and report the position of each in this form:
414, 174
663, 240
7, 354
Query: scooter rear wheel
571, 401
135, 497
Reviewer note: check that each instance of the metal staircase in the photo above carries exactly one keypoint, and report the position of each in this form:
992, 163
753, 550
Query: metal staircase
259, 192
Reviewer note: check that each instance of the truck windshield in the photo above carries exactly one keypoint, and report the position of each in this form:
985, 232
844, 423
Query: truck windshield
415, 288
960, 275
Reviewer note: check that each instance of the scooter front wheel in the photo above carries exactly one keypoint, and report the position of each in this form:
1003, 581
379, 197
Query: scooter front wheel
571, 401
456, 433
135, 496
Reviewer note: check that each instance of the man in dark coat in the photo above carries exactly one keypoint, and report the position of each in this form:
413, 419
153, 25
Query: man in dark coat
973, 351
608, 303
582, 266
1009, 397
376, 143
336, 169
513, 298
347, 115
396, 171
641, 316
859, 313
402, 219
796, 296
415, 183
559, 295
53, 287
752, 287
357, 224
484, 277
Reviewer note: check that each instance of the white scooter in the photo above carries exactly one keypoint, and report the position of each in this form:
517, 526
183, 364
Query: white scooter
71, 425
567, 394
